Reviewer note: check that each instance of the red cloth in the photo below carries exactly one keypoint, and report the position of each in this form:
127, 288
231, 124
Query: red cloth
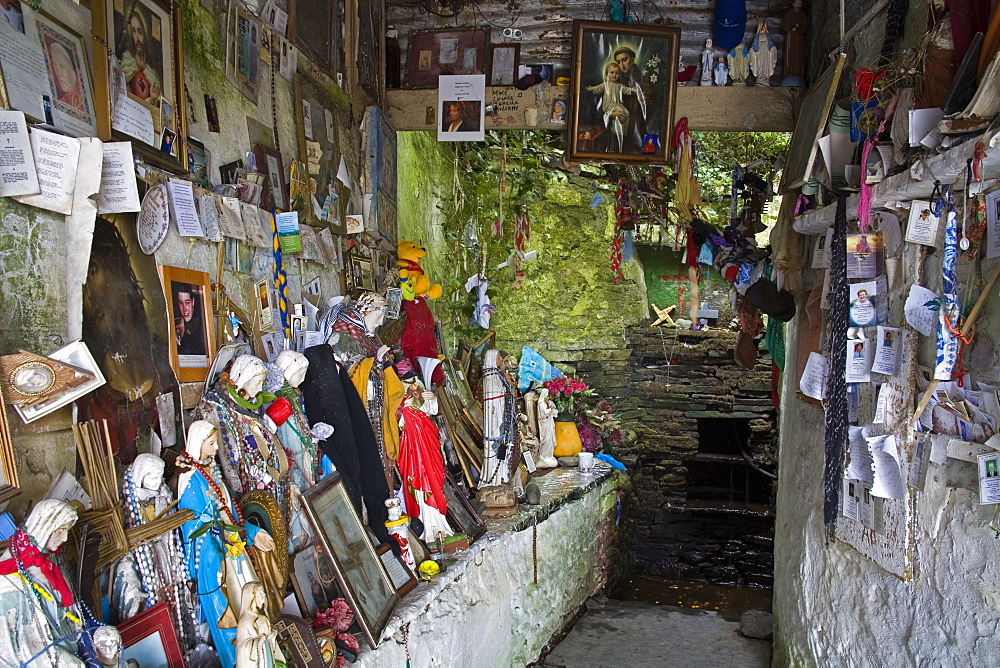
279, 411
418, 336
420, 463
30, 555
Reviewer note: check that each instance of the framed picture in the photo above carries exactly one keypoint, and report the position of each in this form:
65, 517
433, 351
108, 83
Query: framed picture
313, 580
189, 306
198, 163
381, 166
64, 97
247, 47
461, 513
317, 120
76, 355
403, 580
145, 37
359, 572
262, 510
393, 302
623, 91
149, 639
269, 162
9, 484
446, 52
504, 59
316, 30
362, 272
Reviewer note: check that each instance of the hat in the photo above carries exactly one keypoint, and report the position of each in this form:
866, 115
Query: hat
776, 303
730, 23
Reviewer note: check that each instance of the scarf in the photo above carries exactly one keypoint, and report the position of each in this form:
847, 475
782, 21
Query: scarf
836, 385
20, 545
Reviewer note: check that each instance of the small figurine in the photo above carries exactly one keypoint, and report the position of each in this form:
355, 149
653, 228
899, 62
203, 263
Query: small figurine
721, 73
256, 642
107, 645
399, 528
763, 55
547, 412
795, 23
739, 63
707, 57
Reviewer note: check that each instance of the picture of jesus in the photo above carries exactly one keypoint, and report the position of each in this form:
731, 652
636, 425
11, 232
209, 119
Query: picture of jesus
140, 50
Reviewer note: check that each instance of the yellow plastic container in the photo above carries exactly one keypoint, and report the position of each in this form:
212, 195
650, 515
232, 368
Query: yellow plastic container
568, 443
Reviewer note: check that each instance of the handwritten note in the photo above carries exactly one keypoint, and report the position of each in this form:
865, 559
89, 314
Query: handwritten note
119, 192
209, 217
17, 166
921, 309
252, 222
888, 477
230, 218
860, 466
56, 160
813, 380
183, 210
134, 119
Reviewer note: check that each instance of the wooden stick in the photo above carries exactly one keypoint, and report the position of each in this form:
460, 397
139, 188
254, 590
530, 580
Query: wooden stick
967, 326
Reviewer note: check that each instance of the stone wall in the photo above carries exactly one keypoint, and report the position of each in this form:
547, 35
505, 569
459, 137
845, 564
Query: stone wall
703, 513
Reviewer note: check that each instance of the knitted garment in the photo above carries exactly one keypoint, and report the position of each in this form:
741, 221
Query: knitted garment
836, 385
330, 397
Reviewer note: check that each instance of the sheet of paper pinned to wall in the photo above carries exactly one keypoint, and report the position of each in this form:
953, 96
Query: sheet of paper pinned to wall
989, 478
56, 159
288, 231
133, 118
892, 234
888, 476
254, 226
24, 74
17, 165
888, 344
993, 224
209, 215
183, 210
922, 225
230, 218
852, 499
119, 192
860, 466
921, 309
859, 361
813, 380
80, 231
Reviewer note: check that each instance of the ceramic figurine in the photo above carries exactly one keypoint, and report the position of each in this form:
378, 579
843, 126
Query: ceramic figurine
739, 63
707, 58
216, 557
290, 420
763, 55
421, 466
795, 23
399, 528
498, 427
256, 643
40, 619
107, 645
721, 74
547, 412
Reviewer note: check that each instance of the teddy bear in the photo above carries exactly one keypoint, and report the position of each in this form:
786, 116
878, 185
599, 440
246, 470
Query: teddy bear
418, 339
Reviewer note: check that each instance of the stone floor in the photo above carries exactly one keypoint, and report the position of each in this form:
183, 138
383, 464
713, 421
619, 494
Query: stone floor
628, 633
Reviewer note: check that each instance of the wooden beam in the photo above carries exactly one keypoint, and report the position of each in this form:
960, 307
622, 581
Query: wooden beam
708, 108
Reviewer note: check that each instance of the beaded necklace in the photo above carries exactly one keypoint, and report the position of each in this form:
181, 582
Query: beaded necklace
209, 471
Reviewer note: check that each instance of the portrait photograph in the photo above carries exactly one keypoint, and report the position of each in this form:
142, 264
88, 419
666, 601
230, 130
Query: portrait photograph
72, 98
313, 580
623, 90
10, 11
189, 306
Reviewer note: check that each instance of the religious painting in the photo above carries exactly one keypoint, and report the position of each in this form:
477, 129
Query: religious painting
382, 175
623, 92
189, 308
149, 639
360, 574
319, 150
125, 328
446, 52
313, 580
145, 41
64, 97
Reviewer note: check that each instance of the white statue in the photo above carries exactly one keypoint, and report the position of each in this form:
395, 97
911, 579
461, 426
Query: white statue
371, 306
107, 645
721, 73
498, 401
739, 63
293, 366
547, 412
763, 55
256, 642
707, 58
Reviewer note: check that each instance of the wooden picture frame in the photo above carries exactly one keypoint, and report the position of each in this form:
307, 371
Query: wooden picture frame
810, 125
503, 62
10, 485
403, 580
319, 151
160, 21
462, 514
446, 52
618, 126
269, 163
150, 639
362, 272
381, 167
192, 345
66, 99
360, 574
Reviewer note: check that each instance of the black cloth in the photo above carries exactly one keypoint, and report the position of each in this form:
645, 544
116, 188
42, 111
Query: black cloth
331, 397
836, 383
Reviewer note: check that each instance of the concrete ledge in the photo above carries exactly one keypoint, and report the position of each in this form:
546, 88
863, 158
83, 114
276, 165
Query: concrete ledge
486, 609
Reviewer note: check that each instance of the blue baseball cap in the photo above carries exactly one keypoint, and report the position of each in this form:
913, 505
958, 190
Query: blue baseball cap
730, 23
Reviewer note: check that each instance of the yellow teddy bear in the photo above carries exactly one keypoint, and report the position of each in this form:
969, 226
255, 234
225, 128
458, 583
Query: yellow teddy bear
412, 278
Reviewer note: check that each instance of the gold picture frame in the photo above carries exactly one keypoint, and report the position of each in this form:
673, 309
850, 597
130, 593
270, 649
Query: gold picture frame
188, 294
10, 485
162, 72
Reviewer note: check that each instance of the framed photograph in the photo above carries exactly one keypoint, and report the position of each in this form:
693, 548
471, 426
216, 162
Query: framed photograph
149, 639
64, 98
189, 306
362, 272
461, 514
76, 355
198, 163
446, 52
504, 59
145, 36
319, 150
269, 162
623, 91
9, 483
247, 47
359, 571
403, 580
313, 580
393, 302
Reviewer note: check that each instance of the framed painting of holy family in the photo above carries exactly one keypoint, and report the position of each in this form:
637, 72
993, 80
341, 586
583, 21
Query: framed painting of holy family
623, 92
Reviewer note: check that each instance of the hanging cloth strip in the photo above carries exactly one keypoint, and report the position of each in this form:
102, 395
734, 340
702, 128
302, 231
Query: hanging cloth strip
280, 278
865, 196
948, 341
621, 204
836, 385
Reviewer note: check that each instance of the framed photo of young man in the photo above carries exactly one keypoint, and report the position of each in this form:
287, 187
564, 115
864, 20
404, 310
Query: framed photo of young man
623, 93
189, 306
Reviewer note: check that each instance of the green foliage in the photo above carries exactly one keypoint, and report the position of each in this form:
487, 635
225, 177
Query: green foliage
717, 153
